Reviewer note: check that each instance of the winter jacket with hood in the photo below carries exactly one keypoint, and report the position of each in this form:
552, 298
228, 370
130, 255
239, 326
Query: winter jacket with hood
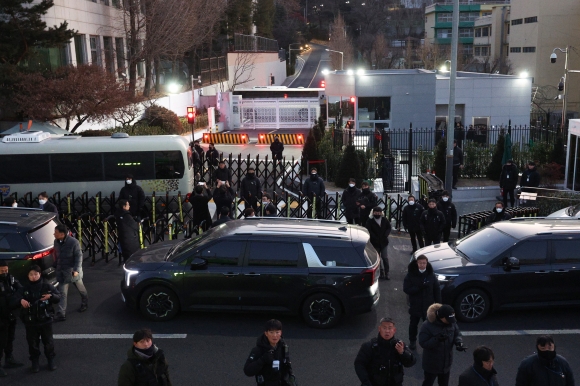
135, 195
411, 217
349, 201
530, 179
212, 156
449, 211
223, 197
438, 354
39, 312
277, 148
314, 186
422, 288
380, 353
478, 376
128, 230
251, 188
432, 223
495, 216
140, 371
223, 175
379, 234
508, 178
536, 371
199, 204
259, 363
369, 200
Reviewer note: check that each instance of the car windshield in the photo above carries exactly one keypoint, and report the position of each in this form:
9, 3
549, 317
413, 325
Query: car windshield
196, 241
485, 245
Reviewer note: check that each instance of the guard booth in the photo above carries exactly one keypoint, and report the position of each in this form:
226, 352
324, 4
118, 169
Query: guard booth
572, 175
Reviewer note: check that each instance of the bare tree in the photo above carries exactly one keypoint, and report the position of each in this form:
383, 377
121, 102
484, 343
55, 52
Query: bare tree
244, 66
340, 41
380, 52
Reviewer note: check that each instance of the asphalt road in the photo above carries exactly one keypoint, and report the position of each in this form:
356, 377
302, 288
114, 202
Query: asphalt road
311, 73
217, 344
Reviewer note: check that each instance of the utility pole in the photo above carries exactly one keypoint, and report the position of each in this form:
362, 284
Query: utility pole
451, 111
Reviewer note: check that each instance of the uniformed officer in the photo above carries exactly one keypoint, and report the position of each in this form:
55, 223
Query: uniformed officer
8, 288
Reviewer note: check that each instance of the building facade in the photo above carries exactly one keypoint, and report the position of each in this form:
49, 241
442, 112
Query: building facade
490, 41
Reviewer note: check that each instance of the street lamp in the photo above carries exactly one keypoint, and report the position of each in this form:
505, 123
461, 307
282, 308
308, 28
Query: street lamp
562, 84
341, 58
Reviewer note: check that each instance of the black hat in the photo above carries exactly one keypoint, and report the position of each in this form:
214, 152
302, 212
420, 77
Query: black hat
447, 312
3, 263
377, 209
510, 161
532, 163
445, 193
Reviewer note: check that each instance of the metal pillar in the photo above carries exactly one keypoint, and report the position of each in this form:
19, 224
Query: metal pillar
451, 111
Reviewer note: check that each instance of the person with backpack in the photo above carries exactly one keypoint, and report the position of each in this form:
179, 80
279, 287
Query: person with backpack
146, 364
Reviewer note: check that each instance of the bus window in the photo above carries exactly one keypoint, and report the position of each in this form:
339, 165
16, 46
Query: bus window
169, 165
77, 167
138, 163
24, 169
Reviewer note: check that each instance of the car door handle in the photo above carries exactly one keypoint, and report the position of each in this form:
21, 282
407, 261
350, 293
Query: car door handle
562, 271
230, 274
251, 274
542, 272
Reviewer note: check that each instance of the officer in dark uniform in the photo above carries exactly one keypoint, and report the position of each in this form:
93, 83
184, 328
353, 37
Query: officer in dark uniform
446, 207
8, 288
380, 362
277, 148
432, 223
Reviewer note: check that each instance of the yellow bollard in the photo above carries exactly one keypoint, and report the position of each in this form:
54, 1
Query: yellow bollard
153, 208
68, 207
169, 226
97, 204
180, 207
288, 207
80, 232
106, 224
141, 236
314, 214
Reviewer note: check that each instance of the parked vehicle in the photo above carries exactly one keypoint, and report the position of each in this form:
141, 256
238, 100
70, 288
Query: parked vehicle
570, 211
319, 269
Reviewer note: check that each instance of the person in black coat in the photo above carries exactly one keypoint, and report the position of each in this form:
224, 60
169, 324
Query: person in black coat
438, 335
251, 189
381, 361
224, 196
457, 162
134, 194
432, 223
128, 229
497, 214
411, 222
379, 229
446, 207
349, 201
530, 179
37, 297
199, 200
508, 180
269, 361
545, 367
314, 187
223, 217
482, 372
197, 157
9, 287
277, 147
422, 289
212, 155
366, 202
46, 205
222, 174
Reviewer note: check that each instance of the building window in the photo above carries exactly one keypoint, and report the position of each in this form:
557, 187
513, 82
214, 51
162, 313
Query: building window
515, 49
106, 2
486, 31
81, 49
508, 28
117, 3
468, 49
444, 33
507, 51
109, 54
478, 32
465, 32
517, 21
444, 17
533, 19
120, 57
468, 16
529, 49
95, 42
485, 14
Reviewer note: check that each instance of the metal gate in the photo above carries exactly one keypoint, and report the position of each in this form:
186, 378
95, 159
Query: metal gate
279, 113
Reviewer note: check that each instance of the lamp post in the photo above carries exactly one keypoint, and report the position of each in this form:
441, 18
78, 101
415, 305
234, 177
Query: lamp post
451, 107
553, 58
341, 58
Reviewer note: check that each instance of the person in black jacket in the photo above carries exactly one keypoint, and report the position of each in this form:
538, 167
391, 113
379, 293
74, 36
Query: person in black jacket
199, 200
545, 367
411, 222
223, 217
46, 205
127, 228
197, 156
222, 174
36, 297
212, 155
482, 372
224, 196
277, 148
457, 162
497, 214
432, 223
446, 207
508, 180
314, 187
134, 194
269, 361
530, 179
349, 201
251, 189
379, 229
438, 335
422, 289
366, 202
9, 287
381, 361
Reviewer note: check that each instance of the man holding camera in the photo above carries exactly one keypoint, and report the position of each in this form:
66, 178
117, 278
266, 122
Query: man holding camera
380, 361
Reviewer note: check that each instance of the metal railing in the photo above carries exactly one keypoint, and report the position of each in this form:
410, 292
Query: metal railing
249, 43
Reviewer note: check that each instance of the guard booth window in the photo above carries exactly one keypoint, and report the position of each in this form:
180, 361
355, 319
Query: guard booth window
374, 108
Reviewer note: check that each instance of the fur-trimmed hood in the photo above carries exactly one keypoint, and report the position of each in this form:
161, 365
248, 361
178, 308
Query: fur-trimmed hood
431, 312
413, 268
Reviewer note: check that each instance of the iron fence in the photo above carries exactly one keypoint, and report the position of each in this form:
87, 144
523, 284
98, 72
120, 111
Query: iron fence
250, 43
473, 221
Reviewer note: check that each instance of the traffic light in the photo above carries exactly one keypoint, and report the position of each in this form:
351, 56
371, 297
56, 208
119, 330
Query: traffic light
191, 115
285, 96
352, 99
322, 84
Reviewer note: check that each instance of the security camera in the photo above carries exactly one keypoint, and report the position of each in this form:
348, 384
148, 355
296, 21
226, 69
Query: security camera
553, 58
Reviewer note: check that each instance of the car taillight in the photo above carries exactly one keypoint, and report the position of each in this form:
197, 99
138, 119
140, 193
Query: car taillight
370, 275
39, 255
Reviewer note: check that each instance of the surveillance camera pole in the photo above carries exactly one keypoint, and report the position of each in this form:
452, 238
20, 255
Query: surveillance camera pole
564, 96
451, 111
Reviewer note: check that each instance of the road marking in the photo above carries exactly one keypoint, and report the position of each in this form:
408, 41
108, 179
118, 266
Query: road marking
315, 73
299, 72
116, 336
520, 332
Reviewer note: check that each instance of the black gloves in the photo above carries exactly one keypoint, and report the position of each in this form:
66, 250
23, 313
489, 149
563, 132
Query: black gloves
460, 347
442, 337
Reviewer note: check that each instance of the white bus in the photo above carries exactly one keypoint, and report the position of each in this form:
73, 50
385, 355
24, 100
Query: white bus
36, 162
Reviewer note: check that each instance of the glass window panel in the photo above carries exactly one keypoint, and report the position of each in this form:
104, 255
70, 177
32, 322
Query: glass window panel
138, 163
169, 165
566, 251
273, 254
531, 252
223, 253
23, 169
76, 167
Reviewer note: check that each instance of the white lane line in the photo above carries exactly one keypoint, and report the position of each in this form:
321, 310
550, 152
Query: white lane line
315, 73
299, 72
520, 332
116, 336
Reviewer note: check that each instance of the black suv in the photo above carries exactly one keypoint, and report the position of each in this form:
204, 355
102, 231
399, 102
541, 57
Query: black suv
522, 262
320, 269
27, 238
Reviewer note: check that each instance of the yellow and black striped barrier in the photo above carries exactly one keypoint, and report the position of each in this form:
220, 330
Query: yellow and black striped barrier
226, 138
286, 139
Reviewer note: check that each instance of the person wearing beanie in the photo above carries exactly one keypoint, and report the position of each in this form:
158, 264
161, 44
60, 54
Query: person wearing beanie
545, 367
446, 207
432, 223
145, 364
497, 214
379, 229
482, 372
437, 337
9, 287
508, 180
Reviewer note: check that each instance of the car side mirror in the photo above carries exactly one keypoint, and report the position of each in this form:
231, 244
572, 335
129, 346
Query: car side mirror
198, 264
510, 263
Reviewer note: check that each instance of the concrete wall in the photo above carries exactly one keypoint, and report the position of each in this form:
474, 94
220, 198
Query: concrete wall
265, 64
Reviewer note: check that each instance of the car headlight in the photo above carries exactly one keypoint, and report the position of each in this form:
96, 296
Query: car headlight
445, 278
128, 274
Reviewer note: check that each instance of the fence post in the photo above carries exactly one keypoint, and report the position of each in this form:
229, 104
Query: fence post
169, 228
180, 207
153, 207
98, 203
141, 235
80, 232
68, 207
236, 206
314, 214
288, 201
106, 226
337, 215
410, 166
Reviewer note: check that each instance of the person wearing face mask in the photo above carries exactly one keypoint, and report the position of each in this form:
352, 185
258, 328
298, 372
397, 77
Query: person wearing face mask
224, 216
545, 367
46, 205
267, 208
199, 200
146, 363
422, 289
251, 189
446, 207
497, 214
482, 372
314, 187
134, 194
212, 155
127, 229
366, 201
277, 147
224, 196
411, 217
432, 223
36, 298
379, 229
222, 174
349, 202
9, 287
